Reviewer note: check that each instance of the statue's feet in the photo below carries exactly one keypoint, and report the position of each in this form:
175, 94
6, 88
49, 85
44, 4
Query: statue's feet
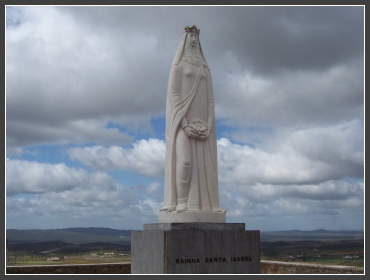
168, 208
181, 208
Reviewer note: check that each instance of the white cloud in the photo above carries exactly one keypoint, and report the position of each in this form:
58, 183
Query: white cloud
300, 156
145, 158
123, 210
63, 91
326, 191
341, 145
34, 177
290, 98
306, 207
79, 132
65, 196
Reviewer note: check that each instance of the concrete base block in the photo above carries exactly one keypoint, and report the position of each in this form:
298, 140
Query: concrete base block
195, 248
192, 216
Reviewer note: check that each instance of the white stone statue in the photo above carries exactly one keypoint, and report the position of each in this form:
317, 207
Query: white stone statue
191, 180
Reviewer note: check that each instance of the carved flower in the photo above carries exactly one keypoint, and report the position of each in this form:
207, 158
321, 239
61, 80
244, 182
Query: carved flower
198, 126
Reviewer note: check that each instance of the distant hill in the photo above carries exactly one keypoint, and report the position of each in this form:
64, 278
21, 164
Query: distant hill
69, 235
101, 231
39, 247
114, 236
320, 234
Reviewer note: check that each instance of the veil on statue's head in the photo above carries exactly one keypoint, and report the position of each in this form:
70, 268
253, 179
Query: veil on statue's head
181, 47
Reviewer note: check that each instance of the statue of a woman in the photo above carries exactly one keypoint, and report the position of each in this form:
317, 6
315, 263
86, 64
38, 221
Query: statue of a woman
191, 180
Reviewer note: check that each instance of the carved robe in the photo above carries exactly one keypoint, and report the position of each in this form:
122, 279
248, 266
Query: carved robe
190, 95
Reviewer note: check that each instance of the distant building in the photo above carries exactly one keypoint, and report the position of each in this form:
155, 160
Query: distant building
53, 259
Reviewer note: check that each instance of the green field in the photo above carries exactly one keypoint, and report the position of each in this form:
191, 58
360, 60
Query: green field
329, 261
331, 252
92, 258
348, 252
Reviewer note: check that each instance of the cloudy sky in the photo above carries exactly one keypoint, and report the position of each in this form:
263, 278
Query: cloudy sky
85, 113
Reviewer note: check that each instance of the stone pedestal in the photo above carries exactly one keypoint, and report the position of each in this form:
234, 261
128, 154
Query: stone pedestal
195, 248
192, 217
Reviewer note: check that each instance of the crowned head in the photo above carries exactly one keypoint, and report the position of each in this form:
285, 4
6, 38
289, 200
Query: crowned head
191, 29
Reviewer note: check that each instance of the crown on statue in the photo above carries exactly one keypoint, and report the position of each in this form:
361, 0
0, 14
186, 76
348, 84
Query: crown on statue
191, 29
